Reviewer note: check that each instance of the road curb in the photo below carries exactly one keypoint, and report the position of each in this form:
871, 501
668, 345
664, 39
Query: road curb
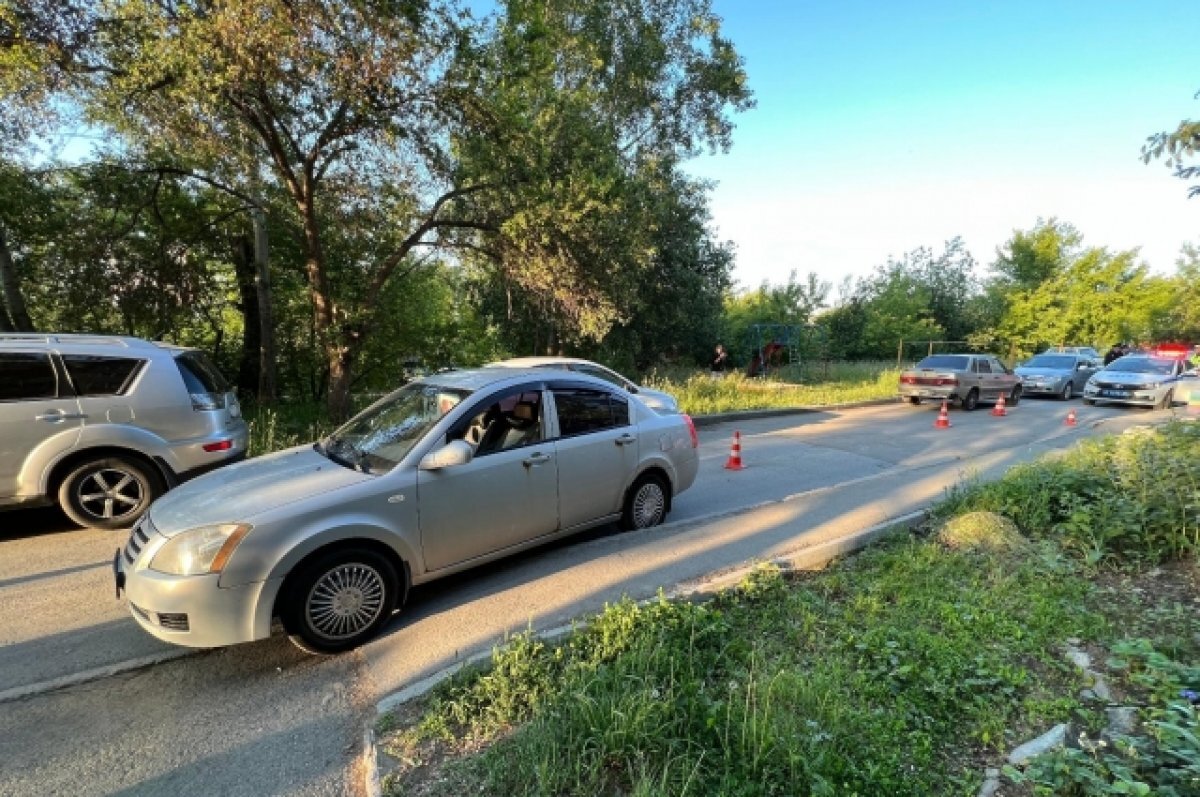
809, 557
95, 674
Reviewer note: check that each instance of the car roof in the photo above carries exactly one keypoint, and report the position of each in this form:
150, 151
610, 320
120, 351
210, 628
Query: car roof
477, 378
533, 362
82, 340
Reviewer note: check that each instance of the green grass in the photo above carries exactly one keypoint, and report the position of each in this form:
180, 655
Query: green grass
700, 394
904, 670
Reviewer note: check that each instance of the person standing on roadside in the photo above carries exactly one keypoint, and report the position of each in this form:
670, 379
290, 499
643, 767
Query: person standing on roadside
1118, 350
720, 362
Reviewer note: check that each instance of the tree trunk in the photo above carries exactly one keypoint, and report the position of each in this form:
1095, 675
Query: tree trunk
11, 290
266, 316
5, 324
248, 378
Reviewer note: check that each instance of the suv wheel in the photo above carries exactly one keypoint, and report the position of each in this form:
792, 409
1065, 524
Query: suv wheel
109, 493
340, 600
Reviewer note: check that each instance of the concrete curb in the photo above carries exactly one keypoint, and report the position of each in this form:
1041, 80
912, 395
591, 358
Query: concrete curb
95, 674
811, 557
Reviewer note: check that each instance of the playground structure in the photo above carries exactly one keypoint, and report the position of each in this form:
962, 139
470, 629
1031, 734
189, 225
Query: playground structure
773, 346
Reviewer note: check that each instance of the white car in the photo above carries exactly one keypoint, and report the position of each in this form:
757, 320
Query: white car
654, 399
1142, 380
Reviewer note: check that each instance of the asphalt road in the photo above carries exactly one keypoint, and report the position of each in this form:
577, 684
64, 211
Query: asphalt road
265, 719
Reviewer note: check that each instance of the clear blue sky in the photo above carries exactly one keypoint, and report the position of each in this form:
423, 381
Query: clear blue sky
884, 126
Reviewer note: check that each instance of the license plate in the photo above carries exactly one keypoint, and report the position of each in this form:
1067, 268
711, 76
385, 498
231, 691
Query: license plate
1115, 393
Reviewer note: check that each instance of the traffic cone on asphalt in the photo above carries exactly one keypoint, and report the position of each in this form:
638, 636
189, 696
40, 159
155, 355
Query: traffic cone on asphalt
735, 453
999, 410
1070, 421
943, 418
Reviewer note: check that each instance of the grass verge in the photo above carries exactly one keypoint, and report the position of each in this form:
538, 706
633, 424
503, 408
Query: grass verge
904, 670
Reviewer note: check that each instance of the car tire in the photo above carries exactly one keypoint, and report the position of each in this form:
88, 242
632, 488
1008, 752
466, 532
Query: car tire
1068, 392
1015, 398
1168, 400
339, 600
1089, 402
109, 492
914, 400
645, 503
971, 400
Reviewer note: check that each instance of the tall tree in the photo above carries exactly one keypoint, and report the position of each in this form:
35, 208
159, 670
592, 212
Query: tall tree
1177, 146
413, 115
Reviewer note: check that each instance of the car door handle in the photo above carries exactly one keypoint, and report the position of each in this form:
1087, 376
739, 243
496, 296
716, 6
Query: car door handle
59, 415
535, 459
625, 440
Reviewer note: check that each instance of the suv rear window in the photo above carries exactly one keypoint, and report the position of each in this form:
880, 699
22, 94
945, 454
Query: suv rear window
26, 376
101, 376
199, 373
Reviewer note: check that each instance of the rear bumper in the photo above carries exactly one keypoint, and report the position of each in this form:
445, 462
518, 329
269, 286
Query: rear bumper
936, 393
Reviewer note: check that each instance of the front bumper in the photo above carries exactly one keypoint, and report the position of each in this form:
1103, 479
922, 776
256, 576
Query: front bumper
1144, 397
1042, 388
193, 611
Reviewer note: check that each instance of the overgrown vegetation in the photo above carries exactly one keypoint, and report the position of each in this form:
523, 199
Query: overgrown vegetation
909, 668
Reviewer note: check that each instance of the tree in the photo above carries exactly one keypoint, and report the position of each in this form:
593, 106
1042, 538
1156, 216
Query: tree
440, 131
1177, 146
1030, 258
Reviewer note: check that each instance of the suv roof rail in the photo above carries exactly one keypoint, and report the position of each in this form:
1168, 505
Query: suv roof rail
71, 337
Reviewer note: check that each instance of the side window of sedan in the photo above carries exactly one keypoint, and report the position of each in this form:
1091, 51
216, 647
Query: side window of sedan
997, 366
981, 367
582, 410
510, 421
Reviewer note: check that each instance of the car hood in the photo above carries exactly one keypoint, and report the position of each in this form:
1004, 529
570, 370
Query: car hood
1033, 371
239, 492
1128, 377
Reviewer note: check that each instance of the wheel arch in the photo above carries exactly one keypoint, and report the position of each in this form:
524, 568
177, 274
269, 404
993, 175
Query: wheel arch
658, 470
59, 470
377, 546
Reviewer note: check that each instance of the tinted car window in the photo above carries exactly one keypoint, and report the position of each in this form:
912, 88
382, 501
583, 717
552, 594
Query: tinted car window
982, 367
199, 374
581, 411
954, 362
26, 376
101, 376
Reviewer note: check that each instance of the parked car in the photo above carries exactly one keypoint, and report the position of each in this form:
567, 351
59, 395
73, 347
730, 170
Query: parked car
1142, 380
963, 378
654, 399
450, 471
104, 425
1060, 375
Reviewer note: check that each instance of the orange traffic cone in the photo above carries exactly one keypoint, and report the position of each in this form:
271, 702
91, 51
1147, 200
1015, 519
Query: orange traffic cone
735, 453
999, 410
1070, 421
943, 418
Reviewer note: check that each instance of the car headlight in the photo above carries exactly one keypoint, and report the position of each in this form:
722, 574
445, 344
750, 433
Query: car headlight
205, 549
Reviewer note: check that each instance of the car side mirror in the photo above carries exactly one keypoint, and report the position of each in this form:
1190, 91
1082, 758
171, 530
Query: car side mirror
456, 452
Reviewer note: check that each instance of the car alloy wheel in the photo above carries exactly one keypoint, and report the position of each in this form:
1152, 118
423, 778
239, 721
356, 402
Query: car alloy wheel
1068, 391
108, 493
340, 601
646, 504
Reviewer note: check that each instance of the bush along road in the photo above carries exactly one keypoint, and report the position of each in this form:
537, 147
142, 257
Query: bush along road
1039, 635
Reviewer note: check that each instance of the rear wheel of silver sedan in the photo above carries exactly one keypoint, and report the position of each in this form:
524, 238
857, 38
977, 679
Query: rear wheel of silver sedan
645, 504
109, 493
971, 400
914, 400
340, 600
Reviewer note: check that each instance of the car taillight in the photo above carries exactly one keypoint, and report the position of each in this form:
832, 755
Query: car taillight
692, 430
950, 380
908, 380
220, 445
208, 401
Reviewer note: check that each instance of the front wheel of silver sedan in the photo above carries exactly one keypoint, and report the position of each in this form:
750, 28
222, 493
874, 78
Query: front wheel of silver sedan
645, 504
1068, 391
340, 600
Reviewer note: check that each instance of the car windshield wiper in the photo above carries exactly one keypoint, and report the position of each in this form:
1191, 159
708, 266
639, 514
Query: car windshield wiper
331, 447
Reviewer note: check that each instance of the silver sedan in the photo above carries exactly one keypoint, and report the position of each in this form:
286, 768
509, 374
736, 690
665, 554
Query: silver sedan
1059, 375
448, 472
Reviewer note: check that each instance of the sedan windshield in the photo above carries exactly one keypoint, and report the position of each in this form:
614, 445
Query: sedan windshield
1142, 365
377, 439
951, 362
1051, 361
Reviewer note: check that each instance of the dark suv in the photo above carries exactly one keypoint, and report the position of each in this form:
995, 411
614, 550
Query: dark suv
104, 425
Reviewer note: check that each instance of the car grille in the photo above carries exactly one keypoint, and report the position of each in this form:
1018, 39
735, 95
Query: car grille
138, 539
